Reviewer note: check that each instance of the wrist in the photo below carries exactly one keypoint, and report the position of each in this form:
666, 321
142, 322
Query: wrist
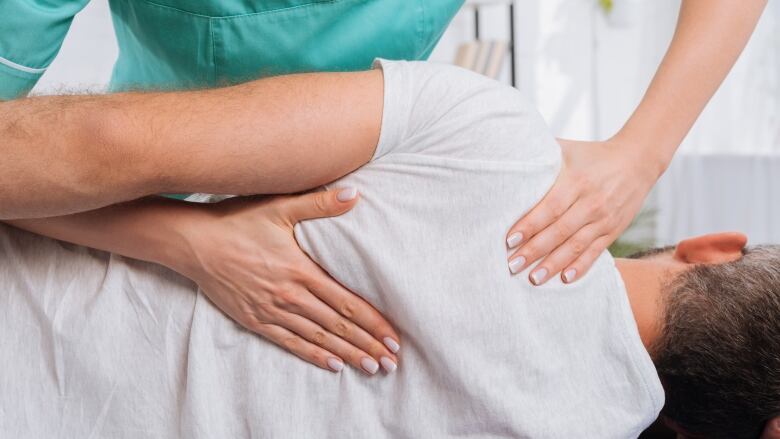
173, 238
650, 156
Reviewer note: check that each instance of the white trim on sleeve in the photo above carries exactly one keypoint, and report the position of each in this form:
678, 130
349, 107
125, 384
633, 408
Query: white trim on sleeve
20, 67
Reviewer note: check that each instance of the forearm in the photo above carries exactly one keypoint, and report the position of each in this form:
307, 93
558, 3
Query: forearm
709, 38
54, 160
150, 229
66, 154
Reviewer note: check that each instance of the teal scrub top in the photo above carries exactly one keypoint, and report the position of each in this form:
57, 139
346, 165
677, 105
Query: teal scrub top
181, 44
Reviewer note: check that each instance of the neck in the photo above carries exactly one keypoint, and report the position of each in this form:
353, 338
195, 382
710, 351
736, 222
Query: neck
643, 280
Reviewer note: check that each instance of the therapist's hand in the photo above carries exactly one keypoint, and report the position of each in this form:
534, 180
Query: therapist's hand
244, 256
597, 194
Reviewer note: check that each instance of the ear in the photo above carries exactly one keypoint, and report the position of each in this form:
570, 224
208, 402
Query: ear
772, 429
714, 248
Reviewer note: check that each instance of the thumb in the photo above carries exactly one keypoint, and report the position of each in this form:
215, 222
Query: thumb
320, 204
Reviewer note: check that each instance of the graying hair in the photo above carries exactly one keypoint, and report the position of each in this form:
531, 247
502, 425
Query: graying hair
718, 355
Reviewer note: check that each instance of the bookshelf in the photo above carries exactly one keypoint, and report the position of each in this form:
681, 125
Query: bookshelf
475, 6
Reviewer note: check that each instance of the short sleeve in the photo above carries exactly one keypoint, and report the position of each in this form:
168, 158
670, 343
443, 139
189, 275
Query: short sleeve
447, 111
31, 34
395, 109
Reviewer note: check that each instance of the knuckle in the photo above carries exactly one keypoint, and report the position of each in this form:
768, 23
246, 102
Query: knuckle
321, 203
287, 299
584, 180
530, 250
578, 246
319, 337
291, 343
266, 310
293, 271
347, 308
556, 209
562, 232
255, 325
600, 208
342, 328
316, 357
247, 309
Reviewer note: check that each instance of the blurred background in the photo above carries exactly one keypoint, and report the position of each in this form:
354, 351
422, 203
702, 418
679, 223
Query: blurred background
586, 64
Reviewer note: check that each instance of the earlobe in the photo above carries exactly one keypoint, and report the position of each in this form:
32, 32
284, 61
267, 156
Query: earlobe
714, 248
772, 429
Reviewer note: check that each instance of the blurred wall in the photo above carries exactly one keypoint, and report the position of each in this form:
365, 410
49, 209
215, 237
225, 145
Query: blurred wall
87, 55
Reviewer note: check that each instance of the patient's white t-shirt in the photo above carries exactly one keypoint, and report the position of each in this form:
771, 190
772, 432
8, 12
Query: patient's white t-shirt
486, 354
104, 346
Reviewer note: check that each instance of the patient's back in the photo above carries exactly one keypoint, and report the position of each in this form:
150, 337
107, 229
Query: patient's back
484, 354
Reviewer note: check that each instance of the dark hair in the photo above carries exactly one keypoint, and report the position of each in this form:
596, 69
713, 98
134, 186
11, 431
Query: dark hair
718, 355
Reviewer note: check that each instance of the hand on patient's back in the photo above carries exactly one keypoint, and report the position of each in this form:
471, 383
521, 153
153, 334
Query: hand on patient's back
246, 260
597, 194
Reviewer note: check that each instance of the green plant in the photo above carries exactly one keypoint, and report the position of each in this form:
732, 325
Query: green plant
624, 247
606, 5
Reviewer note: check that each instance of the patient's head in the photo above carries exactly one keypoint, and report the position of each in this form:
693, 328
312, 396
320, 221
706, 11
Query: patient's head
718, 350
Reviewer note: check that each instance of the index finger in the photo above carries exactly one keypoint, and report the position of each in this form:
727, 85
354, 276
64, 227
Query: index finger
551, 207
352, 307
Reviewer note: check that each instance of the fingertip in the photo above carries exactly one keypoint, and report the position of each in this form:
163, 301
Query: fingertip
538, 276
347, 194
514, 240
391, 344
335, 364
388, 364
516, 264
569, 275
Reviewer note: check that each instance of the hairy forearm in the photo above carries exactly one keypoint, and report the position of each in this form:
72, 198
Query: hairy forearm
65, 154
709, 38
54, 161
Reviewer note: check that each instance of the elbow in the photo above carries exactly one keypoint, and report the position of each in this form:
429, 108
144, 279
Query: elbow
114, 159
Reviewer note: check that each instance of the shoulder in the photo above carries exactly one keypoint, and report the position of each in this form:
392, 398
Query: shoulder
467, 115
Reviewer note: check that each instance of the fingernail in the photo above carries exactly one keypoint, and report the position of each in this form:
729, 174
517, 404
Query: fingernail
388, 364
538, 276
369, 365
514, 240
335, 364
568, 276
391, 344
346, 194
516, 264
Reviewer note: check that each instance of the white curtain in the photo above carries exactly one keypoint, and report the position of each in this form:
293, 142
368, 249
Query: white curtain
705, 193
726, 175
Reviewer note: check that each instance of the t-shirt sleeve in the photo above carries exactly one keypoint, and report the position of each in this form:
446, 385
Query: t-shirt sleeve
31, 34
447, 111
